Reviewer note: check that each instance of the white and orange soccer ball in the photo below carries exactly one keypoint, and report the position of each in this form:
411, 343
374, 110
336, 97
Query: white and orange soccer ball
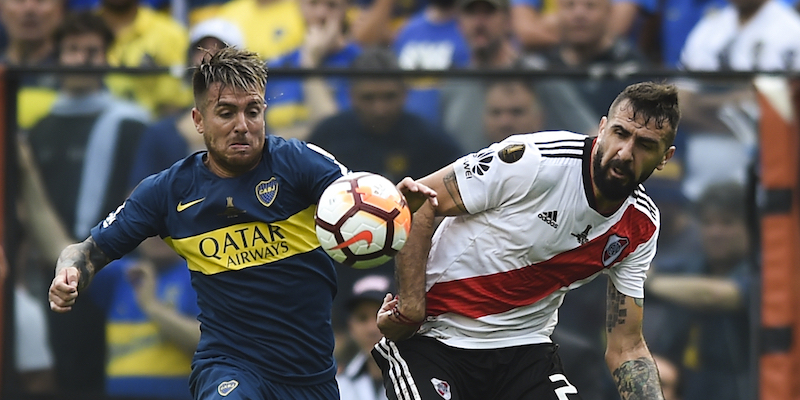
362, 220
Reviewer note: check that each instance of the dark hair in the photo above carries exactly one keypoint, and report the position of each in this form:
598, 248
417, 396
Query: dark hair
240, 69
652, 101
81, 23
727, 197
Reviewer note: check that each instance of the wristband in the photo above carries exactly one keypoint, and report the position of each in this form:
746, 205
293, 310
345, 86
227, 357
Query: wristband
403, 319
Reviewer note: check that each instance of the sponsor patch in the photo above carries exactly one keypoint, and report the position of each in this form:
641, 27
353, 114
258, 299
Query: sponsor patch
511, 153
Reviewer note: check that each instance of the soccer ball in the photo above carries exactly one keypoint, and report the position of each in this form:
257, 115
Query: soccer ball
362, 220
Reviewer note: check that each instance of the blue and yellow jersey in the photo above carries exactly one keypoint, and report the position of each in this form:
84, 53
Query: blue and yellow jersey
285, 96
264, 286
141, 362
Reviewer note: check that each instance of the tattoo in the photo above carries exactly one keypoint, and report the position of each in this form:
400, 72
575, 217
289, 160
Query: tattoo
638, 379
87, 257
451, 185
616, 313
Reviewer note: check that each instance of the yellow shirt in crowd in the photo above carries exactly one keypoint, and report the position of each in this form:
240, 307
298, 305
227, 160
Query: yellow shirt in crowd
269, 30
153, 39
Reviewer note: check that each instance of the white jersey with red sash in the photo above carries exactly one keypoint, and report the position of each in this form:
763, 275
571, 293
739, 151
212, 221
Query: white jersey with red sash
496, 277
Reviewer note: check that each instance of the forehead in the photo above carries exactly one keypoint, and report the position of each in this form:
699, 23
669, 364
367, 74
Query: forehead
508, 93
623, 116
229, 95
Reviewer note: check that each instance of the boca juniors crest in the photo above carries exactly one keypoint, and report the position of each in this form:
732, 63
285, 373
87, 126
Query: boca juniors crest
266, 191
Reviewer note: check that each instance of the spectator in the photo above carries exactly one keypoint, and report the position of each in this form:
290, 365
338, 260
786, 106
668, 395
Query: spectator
747, 35
511, 107
485, 26
81, 150
175, 137
361, 378
587, 42
629, 16
430, 40
678, 17
30, 25
296, 105
371, 18
715, 345
270, 28
534, 24
145, 38
400, 143
151, 312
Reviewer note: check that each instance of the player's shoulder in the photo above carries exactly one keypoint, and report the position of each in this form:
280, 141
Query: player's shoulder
294, 154
181, 174
555, 144
642, 202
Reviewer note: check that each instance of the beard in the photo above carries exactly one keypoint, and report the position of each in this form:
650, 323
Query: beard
610, 187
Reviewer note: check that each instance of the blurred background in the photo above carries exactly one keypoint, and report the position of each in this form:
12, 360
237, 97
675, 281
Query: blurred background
95, 95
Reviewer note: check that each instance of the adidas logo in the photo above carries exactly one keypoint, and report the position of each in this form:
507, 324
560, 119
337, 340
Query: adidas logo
550, 217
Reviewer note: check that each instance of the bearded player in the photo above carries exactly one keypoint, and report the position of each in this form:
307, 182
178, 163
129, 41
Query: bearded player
526, 220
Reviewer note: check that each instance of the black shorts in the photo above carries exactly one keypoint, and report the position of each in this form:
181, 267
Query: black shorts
423, 368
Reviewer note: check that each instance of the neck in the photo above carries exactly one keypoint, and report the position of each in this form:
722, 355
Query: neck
28, 52
501, 56
222, 172
438, 14
118, 19
582, 54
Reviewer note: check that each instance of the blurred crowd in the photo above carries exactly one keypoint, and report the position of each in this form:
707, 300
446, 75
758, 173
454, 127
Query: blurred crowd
86, 140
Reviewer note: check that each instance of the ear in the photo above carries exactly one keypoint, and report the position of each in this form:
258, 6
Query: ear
602, 127
670, 152
197, 118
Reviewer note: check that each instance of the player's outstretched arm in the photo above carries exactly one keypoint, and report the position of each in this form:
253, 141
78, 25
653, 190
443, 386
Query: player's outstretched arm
401, 316
627, 355
75, 268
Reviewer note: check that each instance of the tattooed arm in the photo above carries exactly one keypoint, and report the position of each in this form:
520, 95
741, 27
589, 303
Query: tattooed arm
75, 268
627, 355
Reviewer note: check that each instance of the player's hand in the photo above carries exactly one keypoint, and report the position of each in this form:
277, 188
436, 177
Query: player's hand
64, 289
416, 193
388, 323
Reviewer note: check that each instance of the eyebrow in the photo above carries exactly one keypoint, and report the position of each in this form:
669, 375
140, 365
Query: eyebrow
223, 104
638, 137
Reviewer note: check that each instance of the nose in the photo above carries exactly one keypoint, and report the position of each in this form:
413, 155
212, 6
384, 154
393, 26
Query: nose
240, 125
625, 152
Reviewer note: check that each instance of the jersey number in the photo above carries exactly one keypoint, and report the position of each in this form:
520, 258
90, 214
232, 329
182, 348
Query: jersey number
563, 391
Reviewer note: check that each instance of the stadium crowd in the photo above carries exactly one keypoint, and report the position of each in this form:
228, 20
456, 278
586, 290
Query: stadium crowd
86, 141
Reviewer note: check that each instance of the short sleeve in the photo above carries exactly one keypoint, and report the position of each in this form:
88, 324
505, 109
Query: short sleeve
629, 275
497, 174
137, 218
320, 169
